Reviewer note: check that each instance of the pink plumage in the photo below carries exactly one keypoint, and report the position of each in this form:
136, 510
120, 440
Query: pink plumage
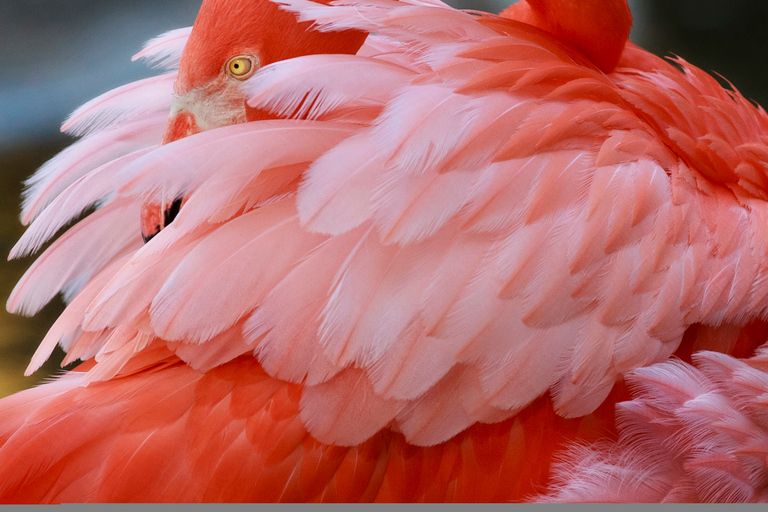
691, 434
418, 267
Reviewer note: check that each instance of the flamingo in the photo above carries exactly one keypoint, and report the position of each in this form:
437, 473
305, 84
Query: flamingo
378, 250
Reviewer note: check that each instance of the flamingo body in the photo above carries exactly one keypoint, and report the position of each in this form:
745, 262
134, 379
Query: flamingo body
234, 434
412, 266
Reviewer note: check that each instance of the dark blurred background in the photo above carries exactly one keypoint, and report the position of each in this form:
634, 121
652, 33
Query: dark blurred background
57, 54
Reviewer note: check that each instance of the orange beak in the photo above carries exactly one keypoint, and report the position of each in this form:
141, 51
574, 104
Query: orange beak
156, 216
181, 124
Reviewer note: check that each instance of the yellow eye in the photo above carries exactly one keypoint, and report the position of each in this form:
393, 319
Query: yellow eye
242, 66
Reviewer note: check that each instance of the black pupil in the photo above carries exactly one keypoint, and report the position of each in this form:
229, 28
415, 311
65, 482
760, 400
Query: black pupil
237, 66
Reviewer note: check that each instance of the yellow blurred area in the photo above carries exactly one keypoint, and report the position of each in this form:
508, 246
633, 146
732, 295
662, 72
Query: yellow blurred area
19, 336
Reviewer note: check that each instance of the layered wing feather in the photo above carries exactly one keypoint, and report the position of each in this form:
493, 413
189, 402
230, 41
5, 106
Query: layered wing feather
548, 196
493, 221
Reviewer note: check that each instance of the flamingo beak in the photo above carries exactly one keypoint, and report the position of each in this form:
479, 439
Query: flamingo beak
156, 216
180, 124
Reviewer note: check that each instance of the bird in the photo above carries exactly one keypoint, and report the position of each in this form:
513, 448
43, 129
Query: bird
380, 250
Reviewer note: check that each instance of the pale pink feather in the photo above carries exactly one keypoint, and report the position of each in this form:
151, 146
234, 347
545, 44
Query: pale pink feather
314, 85
80, 159
535, 245
164, 51
690, 434
96, 188
76, 256
229, 273
129, 102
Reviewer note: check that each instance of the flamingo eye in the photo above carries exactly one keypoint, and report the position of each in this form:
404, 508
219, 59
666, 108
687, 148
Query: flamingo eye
241, 67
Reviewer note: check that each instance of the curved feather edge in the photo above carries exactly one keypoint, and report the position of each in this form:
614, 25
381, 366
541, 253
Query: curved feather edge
691, 434
164, 51
73, 259
389, 17
545, 271
83, 157
143, 97
311, 86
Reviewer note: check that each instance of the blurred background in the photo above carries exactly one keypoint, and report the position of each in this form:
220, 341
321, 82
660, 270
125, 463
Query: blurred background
57, 54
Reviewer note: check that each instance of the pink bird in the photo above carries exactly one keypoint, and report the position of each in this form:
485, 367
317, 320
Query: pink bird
391, 251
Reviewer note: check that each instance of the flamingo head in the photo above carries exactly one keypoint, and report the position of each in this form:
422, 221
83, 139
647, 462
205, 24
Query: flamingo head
230, 41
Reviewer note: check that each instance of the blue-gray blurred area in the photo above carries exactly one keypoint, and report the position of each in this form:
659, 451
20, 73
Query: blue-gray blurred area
57, 54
